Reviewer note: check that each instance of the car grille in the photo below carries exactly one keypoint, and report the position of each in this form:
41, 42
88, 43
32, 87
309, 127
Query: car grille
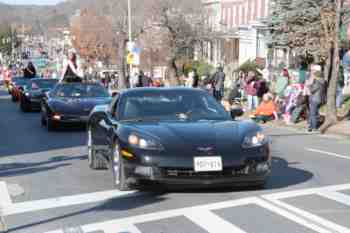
190, 173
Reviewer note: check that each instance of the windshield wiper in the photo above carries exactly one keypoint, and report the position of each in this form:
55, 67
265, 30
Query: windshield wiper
141, 119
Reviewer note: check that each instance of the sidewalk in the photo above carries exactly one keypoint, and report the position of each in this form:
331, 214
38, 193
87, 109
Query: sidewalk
340, 129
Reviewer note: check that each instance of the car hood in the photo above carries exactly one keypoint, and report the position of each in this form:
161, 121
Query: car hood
207, 137
76, 106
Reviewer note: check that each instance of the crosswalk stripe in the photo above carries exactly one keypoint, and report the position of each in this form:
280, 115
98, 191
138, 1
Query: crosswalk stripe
211, 222
335, 196
121, 229
30, 206
5, 199
333, 227
292, 217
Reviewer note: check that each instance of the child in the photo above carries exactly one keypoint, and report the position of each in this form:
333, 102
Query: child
266, 111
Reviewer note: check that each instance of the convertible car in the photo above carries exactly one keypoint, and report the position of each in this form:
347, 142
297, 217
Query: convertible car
71, 103
176, 136
32, 96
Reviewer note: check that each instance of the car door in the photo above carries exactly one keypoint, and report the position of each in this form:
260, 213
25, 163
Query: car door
104, 126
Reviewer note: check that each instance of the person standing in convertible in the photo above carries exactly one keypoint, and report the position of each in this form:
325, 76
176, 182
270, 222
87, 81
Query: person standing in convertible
71, 71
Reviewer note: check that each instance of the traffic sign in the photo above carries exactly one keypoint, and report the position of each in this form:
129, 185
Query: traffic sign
130, 58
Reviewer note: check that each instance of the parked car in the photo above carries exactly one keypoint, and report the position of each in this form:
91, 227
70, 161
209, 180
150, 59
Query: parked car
177, 136
32, 96
71, 103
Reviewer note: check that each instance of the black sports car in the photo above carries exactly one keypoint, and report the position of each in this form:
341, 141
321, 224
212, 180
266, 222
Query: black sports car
176, 136
32, 96
71, 103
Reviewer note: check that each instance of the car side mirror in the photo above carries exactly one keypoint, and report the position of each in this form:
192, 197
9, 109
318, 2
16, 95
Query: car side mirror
236, 112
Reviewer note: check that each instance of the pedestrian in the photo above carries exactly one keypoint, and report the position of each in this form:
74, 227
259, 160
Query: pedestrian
143, 80
134, 80
218, 82
71, 71
29, 71
282, 84
266, 111
251, 90
317, 95
195, 78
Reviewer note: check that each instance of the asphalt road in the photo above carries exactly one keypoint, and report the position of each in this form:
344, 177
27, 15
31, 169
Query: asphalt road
46, 186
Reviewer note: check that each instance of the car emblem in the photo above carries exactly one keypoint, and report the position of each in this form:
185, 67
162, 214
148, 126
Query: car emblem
205, 149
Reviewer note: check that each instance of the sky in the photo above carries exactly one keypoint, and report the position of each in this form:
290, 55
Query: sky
31, 2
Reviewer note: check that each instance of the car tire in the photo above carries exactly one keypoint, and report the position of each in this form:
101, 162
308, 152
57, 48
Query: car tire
94, 161
118, 169
51, 126
24, 106
43, 120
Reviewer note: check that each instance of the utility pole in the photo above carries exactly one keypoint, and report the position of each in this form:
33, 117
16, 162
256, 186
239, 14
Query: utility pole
130, 31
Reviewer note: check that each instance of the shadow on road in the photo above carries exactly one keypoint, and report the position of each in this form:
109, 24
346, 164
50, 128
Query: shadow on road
12, 168
32, 170
121, 203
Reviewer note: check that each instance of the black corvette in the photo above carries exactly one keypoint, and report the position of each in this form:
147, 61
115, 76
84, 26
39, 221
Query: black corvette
32, 96
176, 136
70, 103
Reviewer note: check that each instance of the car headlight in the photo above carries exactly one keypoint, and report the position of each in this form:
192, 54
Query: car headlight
255, 140
27, 94
144, 142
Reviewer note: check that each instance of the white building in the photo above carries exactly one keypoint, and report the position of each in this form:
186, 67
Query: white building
238, 31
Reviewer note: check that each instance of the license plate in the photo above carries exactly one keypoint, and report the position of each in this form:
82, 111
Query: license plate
207, 164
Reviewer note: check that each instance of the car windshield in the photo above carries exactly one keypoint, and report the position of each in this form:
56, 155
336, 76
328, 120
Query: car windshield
43, 83
21, 82
171, 105
79, 90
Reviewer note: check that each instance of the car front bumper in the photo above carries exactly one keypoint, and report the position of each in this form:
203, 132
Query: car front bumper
70, 119
233, 176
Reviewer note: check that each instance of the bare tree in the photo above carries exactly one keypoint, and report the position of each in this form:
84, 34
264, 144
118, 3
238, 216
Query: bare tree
185, 24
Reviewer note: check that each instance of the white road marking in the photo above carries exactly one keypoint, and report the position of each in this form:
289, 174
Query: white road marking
202, 216
65, 201
328, 153
211, 222
314, 218
5, 199
121, 229
327, 192
304, 192
335, 196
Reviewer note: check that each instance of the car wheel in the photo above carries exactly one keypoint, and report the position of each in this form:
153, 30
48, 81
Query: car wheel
24, 106
119, 174
51, 126
43, 120
95, 162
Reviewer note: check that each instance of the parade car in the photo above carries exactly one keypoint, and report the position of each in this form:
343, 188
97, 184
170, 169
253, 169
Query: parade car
177, 137
32, 96
71, 103
17, 85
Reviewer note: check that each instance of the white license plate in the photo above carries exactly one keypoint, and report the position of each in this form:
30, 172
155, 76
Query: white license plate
207, 164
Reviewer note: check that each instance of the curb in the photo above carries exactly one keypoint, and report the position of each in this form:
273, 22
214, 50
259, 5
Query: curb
303, 130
